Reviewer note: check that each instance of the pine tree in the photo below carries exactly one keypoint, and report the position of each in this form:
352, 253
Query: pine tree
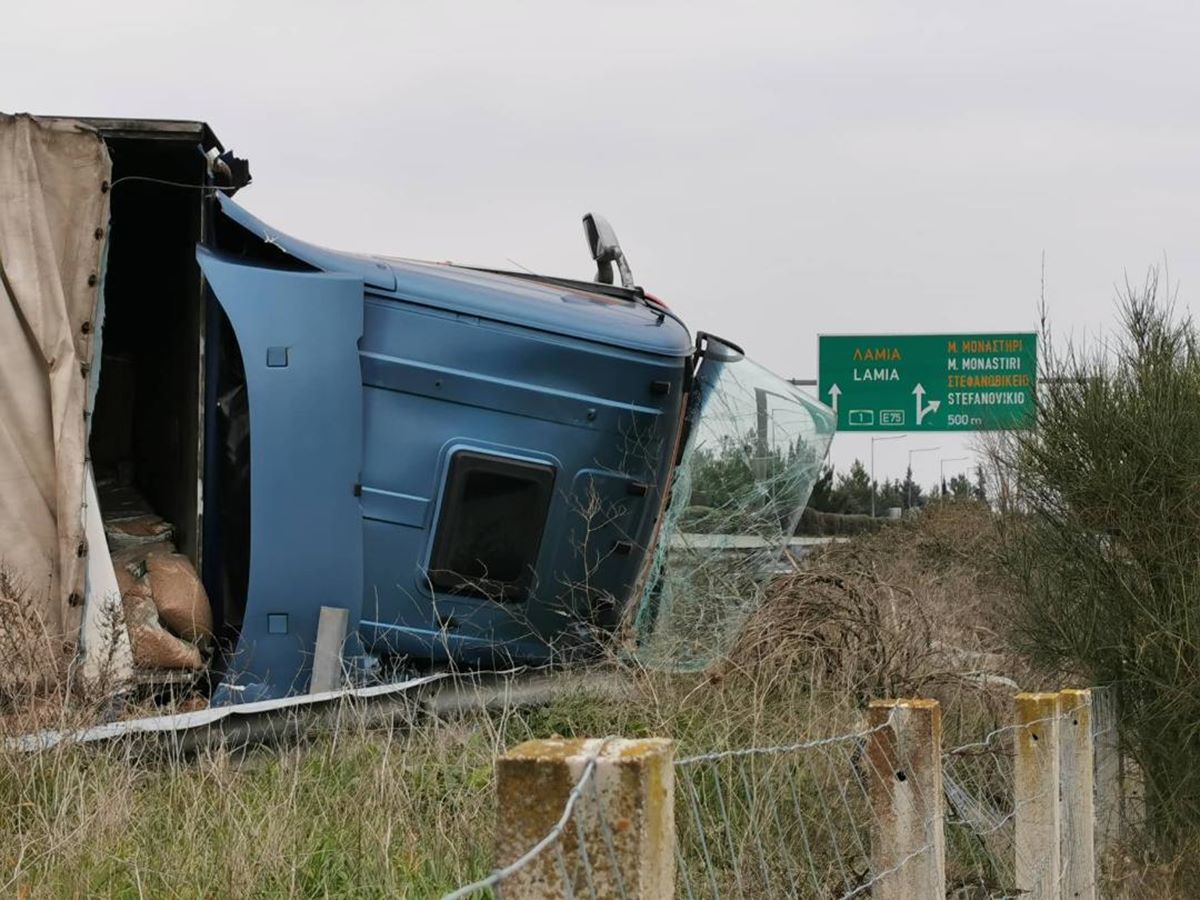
961, 487
853, 492
913, 496
822, 492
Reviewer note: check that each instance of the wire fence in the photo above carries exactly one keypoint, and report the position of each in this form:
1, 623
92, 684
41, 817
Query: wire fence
984, 802
775, 821
780, 821
981, 813
819, 818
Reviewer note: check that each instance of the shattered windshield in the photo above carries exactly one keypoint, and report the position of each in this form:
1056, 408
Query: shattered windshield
753, 454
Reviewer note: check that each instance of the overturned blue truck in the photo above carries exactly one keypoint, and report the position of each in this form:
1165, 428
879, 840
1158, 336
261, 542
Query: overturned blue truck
471, 466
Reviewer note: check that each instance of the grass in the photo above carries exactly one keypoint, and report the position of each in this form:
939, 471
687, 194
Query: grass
360, 810
405, 807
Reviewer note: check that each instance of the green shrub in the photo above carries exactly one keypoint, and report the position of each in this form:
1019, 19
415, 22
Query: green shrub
1105, 539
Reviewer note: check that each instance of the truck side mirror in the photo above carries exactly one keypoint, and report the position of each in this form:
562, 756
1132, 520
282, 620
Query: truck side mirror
605, 250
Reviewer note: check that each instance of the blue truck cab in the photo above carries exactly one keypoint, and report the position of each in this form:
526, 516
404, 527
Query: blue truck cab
474, 461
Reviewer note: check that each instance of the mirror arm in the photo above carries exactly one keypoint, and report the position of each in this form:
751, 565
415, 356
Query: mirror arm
623, 268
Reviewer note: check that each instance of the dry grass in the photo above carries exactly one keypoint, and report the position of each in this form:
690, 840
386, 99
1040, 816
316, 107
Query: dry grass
402, 810
35, 679
405, 807
27, 653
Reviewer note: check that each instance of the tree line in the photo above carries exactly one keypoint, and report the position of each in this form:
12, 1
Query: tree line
849, 492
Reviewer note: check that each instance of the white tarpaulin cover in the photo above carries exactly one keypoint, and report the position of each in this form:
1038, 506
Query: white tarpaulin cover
53, 230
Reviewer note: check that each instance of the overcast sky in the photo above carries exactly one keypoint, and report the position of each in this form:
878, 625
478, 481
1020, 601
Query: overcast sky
774, 171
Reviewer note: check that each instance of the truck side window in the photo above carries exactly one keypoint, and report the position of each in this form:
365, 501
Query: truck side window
490, 528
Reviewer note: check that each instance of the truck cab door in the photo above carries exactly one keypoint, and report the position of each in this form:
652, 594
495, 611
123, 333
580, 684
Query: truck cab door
298, 335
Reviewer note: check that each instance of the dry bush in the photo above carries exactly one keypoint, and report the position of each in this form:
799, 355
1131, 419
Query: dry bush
1132, 873
31, 661
42, 684
913, 609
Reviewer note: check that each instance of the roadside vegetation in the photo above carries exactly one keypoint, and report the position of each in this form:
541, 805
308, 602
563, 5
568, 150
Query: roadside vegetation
1102, 541
362, 808
404, 807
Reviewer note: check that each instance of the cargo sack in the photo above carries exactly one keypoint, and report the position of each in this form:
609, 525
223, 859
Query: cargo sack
133, 559
153, 646
135, 531
126, 579
179, 596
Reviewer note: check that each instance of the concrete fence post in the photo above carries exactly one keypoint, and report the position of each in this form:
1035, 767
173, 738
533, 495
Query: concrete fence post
1036, 786
1077, 759
904, 762
620, 841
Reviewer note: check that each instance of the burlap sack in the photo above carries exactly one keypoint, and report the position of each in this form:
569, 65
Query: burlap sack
134, 558
179, 596
153, 646
135, 531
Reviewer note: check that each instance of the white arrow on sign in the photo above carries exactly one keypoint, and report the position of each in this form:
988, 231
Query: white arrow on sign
924, 409
834, 393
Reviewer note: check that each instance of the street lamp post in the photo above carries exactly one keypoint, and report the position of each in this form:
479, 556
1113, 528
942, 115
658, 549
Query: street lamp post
910, 456
943, 469
894, 437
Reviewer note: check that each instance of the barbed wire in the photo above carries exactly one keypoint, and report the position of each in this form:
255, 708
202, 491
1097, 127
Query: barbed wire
785, 821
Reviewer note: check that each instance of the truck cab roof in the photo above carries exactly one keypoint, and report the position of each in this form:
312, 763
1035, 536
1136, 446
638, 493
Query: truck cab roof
614, 316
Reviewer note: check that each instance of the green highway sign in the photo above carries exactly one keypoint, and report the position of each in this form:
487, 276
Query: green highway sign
967, 381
